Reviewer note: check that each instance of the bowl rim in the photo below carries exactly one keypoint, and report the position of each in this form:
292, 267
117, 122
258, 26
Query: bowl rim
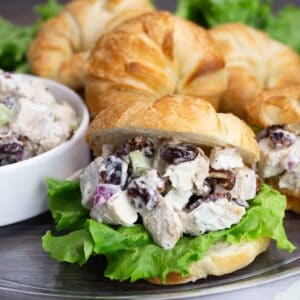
63, 147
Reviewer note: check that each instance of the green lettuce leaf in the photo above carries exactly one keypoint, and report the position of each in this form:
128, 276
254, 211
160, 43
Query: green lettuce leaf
130, 251
75, 247
210, 13
107, 240
65, 204
285, 26
150, 260
264, 218
48, 10
15, 39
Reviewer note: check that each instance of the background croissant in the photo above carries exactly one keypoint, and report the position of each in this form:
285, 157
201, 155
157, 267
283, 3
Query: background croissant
150, 56
62, 45
254, 63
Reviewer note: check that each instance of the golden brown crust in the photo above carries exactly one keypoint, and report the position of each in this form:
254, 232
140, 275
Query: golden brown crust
255, 62
65, 40
186, 118
293, 203
220, 260
277, 106
293, 199
151, 56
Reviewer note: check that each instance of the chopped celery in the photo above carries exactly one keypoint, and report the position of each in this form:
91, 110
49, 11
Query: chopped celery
139, 162
5, 114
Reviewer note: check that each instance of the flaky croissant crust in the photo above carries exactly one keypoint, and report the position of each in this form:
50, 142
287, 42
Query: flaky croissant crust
254, 63
181, 117
63, 43
153, 55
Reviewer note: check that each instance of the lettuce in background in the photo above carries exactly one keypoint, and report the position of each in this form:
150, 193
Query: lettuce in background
130, 251
283, 25
210, 13
15, 39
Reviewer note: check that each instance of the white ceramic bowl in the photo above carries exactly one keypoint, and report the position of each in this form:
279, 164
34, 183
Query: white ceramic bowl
23, 190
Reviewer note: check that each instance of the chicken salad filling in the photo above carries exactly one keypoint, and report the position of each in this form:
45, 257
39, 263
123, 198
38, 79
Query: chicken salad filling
280, 156
32, 121
174, 187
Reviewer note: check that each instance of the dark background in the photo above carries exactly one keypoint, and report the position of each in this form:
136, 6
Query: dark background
20, 11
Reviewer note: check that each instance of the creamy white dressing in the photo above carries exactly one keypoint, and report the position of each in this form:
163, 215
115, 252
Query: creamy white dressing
291, 180
271, 159
89, 180
225, 159
117, 211
291, 161
163, 223
283, 161
183, 176
177, 198
164, 200
149, 184
245, 184
211, 216
152, 179
35, 117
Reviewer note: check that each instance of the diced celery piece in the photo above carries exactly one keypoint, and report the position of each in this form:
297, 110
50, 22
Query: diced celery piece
5, 114
139, 162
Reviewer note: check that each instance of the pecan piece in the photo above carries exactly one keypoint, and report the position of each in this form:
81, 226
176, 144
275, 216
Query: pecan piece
257, 184
224, 178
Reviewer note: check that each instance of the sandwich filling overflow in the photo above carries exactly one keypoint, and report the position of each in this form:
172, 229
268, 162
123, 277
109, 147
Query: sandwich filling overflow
175, 187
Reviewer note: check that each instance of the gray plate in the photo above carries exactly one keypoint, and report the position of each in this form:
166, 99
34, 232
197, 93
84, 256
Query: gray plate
25, 268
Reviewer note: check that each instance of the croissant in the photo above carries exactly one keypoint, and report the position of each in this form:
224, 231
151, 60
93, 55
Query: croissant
254, 62
280, 107
63, 43
276, 106
195, 121
150, 56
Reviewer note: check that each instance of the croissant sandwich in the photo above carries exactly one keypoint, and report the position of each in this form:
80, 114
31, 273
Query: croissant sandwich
171, 197
62, 46
277, 111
